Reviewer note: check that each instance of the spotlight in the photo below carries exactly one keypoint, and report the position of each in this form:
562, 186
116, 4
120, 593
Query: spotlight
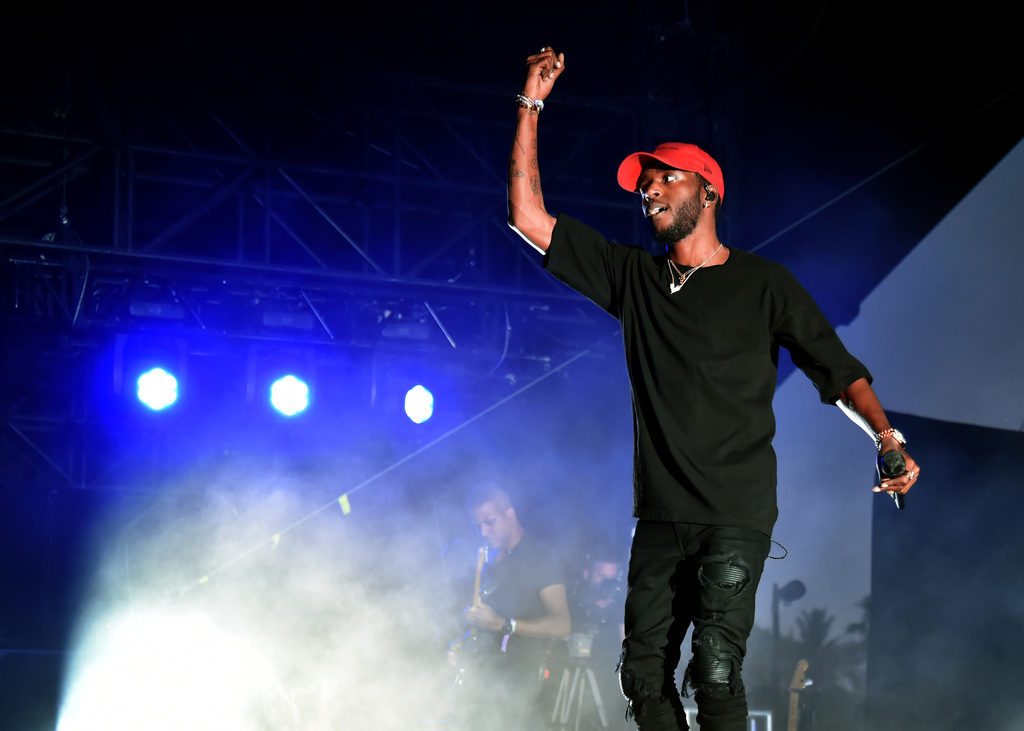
289, 395
419, 404
152, 368
157, 389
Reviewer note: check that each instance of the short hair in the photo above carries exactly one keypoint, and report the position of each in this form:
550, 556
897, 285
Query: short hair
603, 553
485, 492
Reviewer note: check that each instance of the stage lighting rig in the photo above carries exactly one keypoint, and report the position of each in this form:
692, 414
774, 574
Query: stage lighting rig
157, 389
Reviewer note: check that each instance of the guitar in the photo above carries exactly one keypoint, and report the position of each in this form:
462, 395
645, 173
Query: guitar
481, 559
460, 649
798, 683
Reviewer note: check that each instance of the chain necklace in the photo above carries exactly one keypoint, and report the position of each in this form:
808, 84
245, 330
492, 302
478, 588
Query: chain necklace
684, 277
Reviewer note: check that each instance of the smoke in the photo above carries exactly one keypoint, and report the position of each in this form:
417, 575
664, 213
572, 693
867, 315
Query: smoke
248, 605
274, 593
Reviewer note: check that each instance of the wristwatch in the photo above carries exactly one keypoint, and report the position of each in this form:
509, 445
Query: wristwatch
890, 432
509, 628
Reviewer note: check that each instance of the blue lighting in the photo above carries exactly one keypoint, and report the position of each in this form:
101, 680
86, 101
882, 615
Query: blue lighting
289, 395
157, 389
419, 404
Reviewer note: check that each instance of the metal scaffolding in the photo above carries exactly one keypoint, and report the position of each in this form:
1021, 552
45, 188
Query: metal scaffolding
358, 229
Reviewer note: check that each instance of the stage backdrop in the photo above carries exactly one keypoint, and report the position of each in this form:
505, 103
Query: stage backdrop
947, 590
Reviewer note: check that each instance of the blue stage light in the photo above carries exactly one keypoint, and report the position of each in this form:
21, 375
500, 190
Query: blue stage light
419, 404
289, 395
157, 389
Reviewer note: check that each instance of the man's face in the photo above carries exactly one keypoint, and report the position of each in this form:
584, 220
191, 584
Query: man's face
602, 571
671, 202
496, 522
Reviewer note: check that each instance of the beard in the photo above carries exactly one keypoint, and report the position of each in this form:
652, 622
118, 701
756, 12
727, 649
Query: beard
683, 223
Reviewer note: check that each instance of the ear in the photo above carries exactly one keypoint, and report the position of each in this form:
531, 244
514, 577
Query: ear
710, 193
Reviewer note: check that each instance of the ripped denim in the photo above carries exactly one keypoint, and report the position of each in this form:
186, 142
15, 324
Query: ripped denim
681, 575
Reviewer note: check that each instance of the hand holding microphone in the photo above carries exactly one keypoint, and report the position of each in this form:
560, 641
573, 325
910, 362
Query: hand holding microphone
891, 464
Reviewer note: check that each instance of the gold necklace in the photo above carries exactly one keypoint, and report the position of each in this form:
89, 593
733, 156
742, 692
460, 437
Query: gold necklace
684, 277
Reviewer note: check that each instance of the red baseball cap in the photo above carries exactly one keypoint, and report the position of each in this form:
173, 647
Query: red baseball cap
677, 156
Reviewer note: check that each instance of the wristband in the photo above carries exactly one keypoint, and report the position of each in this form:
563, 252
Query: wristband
890, 432
534, 105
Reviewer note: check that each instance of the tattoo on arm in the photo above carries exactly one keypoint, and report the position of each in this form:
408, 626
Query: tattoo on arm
532, 163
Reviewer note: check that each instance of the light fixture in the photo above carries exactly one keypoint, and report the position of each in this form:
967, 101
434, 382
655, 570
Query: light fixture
289, 395
157, 389
419, 404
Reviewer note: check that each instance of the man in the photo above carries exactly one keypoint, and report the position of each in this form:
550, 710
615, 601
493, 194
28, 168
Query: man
596, 641
701, 326
599, 589
521, 610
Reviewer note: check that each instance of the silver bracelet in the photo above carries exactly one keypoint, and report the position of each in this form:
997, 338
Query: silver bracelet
535, 105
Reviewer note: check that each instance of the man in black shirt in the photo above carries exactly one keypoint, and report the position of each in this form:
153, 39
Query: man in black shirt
522, 608
702, 326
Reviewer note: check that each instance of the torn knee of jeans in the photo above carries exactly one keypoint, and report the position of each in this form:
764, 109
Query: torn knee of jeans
713, 669
622, 685
644, 697
728, 574
636, 691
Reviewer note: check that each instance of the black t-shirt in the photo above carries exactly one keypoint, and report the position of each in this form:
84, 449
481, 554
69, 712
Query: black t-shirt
512, 588
703, 365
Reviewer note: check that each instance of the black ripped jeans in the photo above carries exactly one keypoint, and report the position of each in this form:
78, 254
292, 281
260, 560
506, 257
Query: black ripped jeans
682, 574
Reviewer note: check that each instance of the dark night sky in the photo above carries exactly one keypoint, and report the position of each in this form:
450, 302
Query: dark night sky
844, 88
846, 130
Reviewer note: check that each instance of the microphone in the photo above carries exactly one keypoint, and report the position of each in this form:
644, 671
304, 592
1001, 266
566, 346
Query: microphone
891, 464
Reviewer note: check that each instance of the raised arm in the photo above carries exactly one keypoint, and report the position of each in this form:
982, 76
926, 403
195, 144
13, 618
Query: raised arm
526, 213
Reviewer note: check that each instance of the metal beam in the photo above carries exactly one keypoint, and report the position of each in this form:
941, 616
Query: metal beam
391, 224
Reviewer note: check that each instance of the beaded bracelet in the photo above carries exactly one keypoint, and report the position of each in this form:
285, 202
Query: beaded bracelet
890, 432
534, 105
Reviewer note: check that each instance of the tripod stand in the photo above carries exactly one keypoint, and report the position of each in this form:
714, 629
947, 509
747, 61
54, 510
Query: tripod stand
578, 704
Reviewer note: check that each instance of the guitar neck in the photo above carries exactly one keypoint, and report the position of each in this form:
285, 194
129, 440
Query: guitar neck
794, 711
481, 558
797, 684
